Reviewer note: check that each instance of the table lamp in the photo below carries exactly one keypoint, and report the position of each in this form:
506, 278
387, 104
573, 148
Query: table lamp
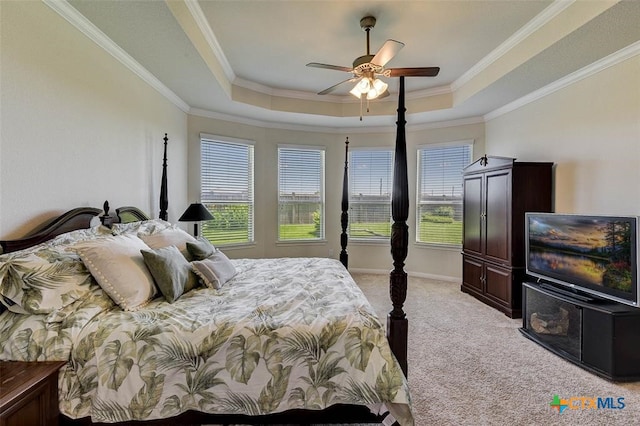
196, 212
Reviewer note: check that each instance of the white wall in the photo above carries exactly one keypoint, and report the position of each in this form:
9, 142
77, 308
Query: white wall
76, 126
591, 131
421, 259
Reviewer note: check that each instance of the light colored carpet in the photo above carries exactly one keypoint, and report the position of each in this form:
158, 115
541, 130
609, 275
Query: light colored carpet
469, 364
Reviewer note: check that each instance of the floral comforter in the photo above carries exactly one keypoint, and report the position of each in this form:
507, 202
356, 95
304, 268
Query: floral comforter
283, 334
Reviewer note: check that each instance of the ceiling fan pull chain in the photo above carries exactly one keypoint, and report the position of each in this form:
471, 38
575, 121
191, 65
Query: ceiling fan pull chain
360, 107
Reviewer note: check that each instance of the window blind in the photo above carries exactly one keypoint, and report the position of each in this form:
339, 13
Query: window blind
226, 188
300, 193
370, 183
439, 215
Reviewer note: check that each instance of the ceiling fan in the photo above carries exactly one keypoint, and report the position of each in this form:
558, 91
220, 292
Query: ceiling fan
368, 67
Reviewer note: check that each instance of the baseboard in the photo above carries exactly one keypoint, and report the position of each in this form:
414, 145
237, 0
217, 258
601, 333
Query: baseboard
410, 274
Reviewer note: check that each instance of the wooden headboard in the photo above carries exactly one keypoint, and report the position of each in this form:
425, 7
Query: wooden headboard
78, 218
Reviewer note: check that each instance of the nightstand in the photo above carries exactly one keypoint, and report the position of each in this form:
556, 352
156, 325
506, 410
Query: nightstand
29, 393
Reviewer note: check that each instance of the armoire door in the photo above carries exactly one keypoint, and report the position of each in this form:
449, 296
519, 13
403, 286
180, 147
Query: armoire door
473, 215
498, 216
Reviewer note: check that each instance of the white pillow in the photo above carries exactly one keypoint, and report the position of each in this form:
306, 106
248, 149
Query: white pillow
118, 266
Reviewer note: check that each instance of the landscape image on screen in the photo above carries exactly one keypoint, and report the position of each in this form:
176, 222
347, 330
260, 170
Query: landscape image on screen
585, 250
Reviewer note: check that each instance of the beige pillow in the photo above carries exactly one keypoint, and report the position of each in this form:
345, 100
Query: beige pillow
169, 237
118, 266
215, 270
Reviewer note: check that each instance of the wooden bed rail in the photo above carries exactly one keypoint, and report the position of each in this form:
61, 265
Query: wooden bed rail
397, 323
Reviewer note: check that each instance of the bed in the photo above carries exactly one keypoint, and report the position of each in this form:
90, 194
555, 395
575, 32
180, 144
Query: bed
262, 341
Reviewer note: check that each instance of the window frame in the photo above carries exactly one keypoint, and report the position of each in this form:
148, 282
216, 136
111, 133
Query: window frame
351, 168
322, 237
250, 145
419, 179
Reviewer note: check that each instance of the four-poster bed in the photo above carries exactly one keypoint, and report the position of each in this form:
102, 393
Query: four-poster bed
382, 386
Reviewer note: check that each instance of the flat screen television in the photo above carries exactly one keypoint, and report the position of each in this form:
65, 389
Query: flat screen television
596, 255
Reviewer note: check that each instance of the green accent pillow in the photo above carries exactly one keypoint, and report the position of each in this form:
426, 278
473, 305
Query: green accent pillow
171, 271
200, 249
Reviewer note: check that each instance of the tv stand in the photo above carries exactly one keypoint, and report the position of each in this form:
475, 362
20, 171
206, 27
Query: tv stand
598, 335
569, 293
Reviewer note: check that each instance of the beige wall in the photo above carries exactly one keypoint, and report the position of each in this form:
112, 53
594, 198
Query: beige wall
77, 127
591, 130
421, 259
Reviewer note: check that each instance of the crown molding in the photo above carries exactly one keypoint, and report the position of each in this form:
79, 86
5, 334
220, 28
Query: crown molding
75, 18
553, 10
322, 129
210, 37
340, 99
594, 68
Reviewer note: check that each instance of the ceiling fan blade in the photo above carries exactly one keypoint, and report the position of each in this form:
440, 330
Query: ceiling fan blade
329, 67
335, 86
388, 50
414, 72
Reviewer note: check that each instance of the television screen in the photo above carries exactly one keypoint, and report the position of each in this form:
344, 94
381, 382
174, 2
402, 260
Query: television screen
596, 254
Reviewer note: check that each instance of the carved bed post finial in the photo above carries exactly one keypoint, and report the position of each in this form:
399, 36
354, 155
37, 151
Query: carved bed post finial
397, 323
106, 218
164, 197
344, 218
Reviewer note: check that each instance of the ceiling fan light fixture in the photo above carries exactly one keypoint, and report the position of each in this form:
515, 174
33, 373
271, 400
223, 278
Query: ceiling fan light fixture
356, 91
371, 87
377, 89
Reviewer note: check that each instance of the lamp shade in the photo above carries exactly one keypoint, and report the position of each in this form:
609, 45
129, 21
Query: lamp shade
369, 86
195, 213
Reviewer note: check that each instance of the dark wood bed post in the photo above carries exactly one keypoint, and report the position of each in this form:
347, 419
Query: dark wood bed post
344, 218
397, 323
164, 197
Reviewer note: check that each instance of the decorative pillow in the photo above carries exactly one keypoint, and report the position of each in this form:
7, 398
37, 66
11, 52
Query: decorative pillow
118, 266
171, 271
200, 249
72, 237
43, 281
146, 227
215, 270
169, 237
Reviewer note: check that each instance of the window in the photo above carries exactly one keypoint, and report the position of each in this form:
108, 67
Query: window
226, 188
439, 206
370, 182
300, 193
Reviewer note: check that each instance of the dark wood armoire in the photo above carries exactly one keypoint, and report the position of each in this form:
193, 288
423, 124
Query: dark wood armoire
497, 193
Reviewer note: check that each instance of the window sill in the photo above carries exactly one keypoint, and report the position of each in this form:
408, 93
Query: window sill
237, 246
446, 247
301, 242
366, 242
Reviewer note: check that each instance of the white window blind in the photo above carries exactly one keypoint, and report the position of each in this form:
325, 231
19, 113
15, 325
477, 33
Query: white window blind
439, 206
226, 176
300, 193
370, 183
